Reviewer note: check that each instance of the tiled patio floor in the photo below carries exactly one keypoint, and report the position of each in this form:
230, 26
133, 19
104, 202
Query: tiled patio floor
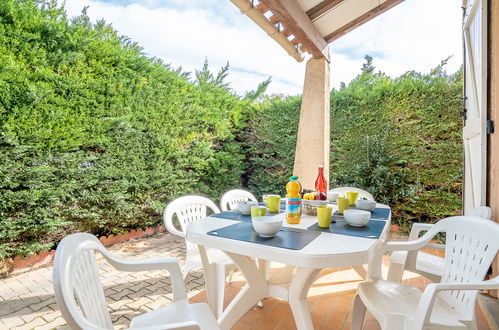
27, 300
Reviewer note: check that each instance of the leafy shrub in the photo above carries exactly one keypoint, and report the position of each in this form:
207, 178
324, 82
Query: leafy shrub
398, 138
271, 145
97, 137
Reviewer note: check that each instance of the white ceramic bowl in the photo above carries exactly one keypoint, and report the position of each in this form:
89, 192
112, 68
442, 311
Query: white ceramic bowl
245, 207
332, 196
365, 204
267, 226
357, 218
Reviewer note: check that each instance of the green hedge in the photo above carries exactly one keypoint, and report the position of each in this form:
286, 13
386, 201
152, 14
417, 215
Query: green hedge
398, 138
96, 137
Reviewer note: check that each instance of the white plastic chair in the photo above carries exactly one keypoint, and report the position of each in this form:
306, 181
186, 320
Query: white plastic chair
362, 193
426, 264
80, 296
229, 200
188, 209
471, 245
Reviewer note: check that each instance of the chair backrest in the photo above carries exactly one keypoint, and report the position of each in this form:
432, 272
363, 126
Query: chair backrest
229, 200
77, 286
471, 243
482, 212
187, 209
362, 193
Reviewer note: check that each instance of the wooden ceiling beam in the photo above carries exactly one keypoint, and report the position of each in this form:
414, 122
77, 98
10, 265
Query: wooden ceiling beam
273, 19
322, 8
262, 8
286, 32
376, 11
294, 18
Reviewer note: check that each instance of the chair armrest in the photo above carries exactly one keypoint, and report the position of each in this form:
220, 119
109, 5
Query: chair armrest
435, 246
416, 244
425, 306
174, 230
169, 264
418, 228
404, 245
190, 325
482, 285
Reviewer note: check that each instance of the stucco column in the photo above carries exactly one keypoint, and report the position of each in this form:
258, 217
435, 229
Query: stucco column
312, 145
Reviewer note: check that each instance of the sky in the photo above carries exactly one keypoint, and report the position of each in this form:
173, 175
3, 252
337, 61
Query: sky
415, 35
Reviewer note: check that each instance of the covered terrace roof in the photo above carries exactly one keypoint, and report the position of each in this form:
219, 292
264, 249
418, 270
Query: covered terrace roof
301, 26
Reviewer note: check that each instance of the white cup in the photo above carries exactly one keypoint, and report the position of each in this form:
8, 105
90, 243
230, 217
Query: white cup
332, 196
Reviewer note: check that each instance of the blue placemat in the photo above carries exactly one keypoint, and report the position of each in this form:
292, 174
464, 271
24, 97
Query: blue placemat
287, 238
378, 213
373, 229
237, 216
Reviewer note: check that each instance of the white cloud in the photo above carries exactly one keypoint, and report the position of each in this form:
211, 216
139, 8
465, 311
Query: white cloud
417, 35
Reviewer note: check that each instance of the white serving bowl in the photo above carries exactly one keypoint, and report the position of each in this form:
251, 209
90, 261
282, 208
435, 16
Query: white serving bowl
365, 204
267, 226
357, 218
245, 207
332, 196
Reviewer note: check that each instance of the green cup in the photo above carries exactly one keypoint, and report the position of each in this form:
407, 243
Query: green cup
274, 202
342, 204
324, 216
352, 197
258, 211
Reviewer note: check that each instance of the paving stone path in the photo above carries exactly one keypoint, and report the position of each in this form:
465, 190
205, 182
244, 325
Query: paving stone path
27, 300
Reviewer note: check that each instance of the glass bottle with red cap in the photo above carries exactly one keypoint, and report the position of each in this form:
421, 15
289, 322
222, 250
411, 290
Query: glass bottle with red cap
321, 185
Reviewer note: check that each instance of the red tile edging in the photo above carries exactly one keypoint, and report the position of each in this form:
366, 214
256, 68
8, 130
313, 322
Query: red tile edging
45, 258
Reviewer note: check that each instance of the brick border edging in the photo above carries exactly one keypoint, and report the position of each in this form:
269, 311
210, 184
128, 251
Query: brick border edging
18, 264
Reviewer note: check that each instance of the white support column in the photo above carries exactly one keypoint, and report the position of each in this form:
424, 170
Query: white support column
312, 145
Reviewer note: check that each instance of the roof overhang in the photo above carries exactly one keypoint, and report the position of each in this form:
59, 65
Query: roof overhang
301, 26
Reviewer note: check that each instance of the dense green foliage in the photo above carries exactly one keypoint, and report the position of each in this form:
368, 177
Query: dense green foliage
95, 136
401, 140
398, 138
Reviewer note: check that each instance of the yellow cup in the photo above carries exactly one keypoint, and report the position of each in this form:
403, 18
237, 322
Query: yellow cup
274, 202
324, 216
352, 197
342, 204
258, 211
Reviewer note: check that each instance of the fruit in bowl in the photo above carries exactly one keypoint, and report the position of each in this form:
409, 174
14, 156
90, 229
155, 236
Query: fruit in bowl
321, 196
365, 204
314, 195
357, 218
267, 226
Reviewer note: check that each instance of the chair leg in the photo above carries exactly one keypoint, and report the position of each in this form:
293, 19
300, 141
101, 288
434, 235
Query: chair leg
358, 313
361, 271
220, 279
229, 271
187, 268
395, 272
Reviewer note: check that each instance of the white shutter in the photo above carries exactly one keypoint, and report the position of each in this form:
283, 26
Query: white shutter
474, 131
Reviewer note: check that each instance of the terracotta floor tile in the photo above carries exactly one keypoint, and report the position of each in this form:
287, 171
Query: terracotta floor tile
242, 326
321, 309
280, 311
258, 314
334, 320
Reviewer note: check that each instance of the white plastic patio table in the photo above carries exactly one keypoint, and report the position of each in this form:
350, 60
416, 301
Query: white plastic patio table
326, 251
